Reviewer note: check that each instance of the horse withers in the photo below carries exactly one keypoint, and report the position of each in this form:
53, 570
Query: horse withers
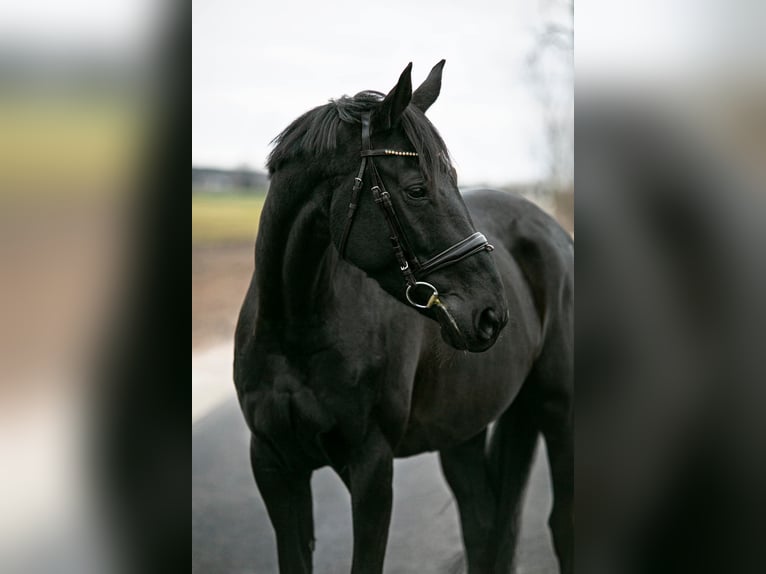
388, 316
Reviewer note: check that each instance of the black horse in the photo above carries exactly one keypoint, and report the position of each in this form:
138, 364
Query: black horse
338, 357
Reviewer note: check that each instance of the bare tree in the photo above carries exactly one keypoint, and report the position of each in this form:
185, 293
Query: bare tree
550, 67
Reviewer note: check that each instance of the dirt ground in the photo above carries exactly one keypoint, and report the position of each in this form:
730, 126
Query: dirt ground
220, 276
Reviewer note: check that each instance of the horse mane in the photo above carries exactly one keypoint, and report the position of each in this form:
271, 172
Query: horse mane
315, 133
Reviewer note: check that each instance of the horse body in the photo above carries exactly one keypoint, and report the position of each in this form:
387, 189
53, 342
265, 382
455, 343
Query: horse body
332, 370
456, 394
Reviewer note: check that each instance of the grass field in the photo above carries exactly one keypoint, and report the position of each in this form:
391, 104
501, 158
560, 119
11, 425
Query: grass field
225, 217
60, 144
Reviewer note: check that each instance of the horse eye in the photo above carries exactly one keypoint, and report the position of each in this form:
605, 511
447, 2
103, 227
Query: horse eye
416, 192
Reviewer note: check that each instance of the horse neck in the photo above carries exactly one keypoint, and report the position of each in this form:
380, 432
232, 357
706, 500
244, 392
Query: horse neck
294, 258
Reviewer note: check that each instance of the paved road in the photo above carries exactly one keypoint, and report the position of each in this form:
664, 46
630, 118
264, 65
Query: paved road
231, 533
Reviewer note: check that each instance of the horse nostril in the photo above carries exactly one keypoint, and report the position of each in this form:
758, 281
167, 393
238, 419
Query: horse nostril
488, 324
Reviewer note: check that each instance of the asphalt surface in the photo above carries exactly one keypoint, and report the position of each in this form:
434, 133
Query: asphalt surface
231, 532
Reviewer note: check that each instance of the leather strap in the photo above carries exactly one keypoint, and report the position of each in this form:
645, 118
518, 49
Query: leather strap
383, 200
380, 151
352, 207
465, 248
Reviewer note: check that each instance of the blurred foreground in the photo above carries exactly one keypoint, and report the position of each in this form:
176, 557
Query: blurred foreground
671, 383
85, 140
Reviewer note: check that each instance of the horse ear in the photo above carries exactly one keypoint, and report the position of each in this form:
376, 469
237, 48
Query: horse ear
397, 100
429, 90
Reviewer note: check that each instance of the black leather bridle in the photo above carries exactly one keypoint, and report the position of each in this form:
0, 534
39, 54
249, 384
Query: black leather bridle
411, 268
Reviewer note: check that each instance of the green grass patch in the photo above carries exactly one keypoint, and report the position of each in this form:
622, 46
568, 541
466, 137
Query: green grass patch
59, 145
224, 217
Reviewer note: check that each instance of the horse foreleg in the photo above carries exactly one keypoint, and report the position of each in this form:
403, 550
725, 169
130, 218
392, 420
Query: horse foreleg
555, 391
559, 440
370, 472
287, 496
465, 468
511, 453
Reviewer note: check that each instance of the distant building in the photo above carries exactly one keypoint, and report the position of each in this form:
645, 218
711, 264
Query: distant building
212, 179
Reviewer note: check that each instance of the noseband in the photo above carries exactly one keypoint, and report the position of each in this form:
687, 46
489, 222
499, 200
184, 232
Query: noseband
412, 269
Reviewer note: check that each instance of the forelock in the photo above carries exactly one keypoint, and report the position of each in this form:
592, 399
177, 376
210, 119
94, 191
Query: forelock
315, 133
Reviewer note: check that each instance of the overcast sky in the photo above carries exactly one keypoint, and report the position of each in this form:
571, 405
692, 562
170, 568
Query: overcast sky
258, 65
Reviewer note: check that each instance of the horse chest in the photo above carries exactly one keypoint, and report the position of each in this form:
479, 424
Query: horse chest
303, 398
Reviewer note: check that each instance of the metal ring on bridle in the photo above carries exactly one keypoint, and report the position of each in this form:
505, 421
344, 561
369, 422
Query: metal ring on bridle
432, 299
